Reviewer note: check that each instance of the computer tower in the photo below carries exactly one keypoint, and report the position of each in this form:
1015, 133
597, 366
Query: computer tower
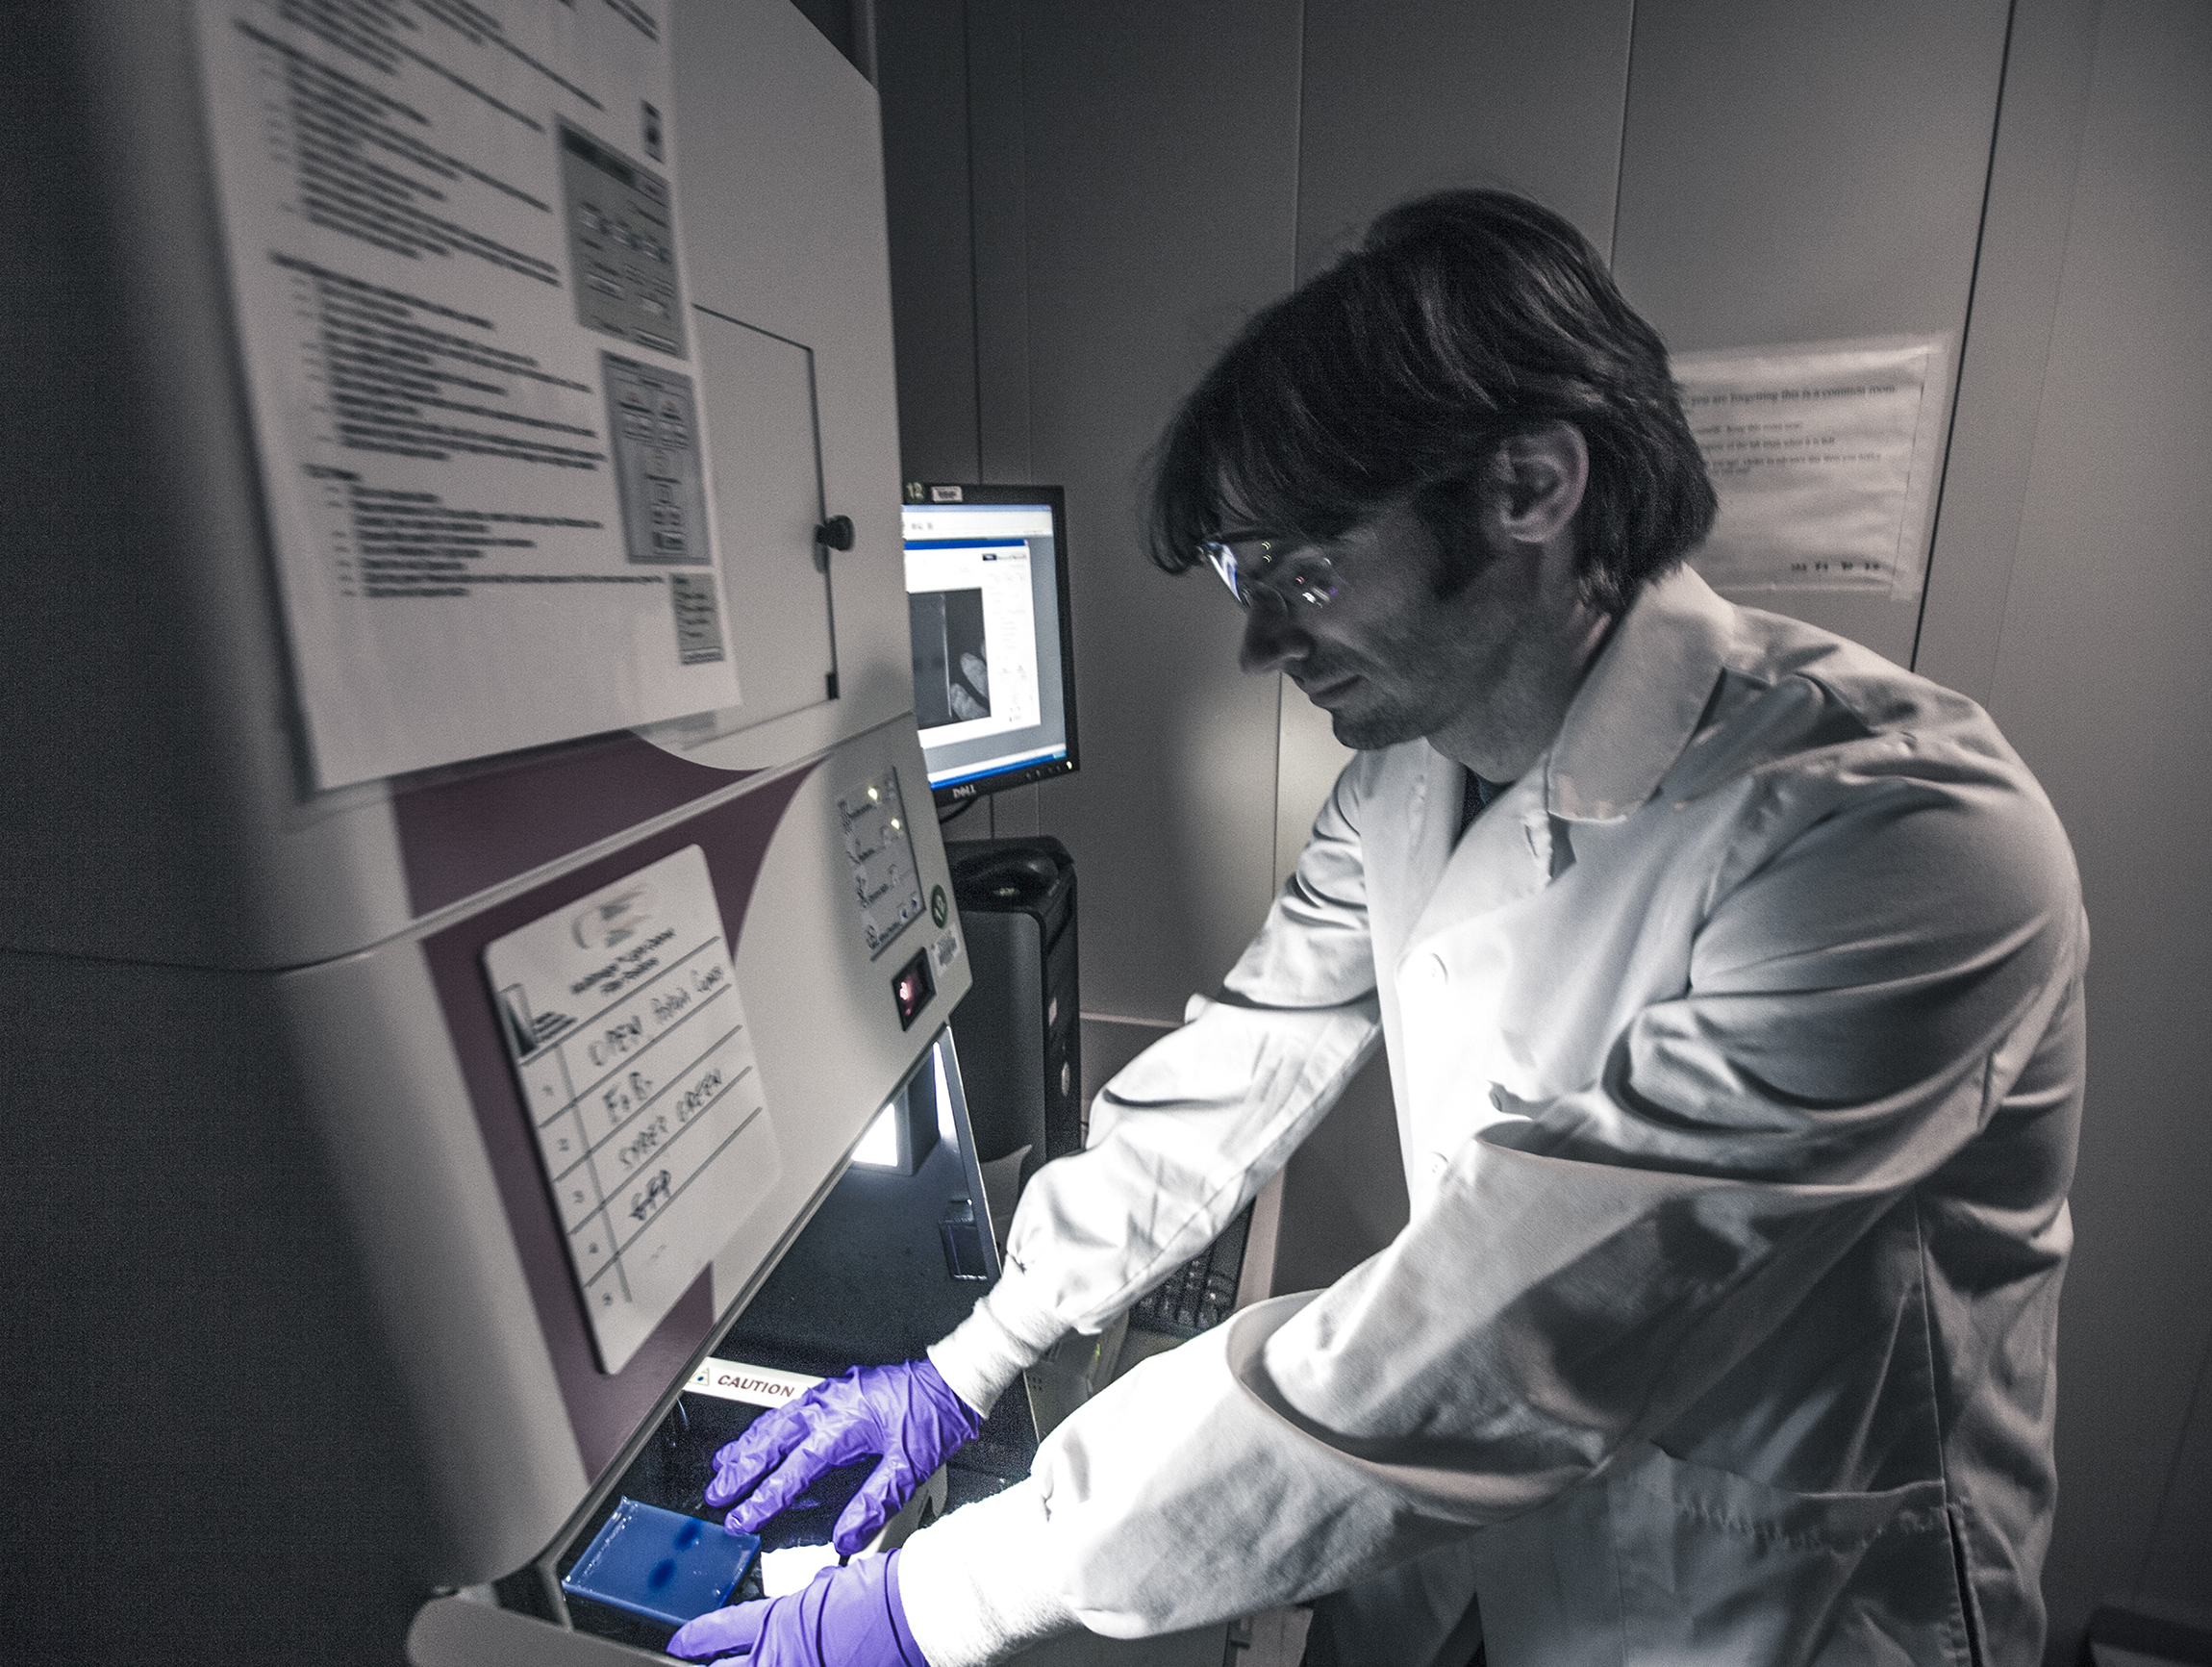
1017, 1028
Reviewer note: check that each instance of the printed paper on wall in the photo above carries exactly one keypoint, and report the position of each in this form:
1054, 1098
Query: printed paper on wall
1825, 457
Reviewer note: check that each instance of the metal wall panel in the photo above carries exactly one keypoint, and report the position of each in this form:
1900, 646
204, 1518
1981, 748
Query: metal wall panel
2099, 682
1797, 171
996, 172
2008, 340
1443, 93
928, 204
1160, 214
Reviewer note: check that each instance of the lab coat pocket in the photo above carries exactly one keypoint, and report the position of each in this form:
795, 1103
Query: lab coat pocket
1715, 1567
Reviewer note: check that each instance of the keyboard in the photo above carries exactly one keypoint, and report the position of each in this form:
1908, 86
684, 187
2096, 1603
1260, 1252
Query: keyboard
1201, 1292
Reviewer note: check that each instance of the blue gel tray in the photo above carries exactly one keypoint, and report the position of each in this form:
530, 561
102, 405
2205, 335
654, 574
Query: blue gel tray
661, 1564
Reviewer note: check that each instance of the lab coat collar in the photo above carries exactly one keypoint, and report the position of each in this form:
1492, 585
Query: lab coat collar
1630, 720
1640, 705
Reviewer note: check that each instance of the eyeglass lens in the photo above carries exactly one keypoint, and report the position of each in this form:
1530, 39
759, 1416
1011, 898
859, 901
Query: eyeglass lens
1253, 578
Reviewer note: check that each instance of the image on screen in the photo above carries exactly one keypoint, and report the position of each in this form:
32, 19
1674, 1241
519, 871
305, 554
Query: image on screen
986, 598
951, 657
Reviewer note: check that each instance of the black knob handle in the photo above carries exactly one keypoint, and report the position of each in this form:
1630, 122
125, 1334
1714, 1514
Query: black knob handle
836, 533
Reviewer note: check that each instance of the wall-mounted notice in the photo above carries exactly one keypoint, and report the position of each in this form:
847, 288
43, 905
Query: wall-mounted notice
1826, 459
455, 256
629, 1037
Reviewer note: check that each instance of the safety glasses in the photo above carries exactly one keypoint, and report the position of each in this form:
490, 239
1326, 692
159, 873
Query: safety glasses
1272, 574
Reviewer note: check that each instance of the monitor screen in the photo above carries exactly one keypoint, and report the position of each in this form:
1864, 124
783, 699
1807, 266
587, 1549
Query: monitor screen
993, 663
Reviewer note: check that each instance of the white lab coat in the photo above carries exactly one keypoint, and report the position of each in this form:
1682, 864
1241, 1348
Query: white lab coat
1738, 1056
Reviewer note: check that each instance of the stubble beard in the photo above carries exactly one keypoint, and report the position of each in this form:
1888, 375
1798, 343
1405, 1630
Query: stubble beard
1372, 730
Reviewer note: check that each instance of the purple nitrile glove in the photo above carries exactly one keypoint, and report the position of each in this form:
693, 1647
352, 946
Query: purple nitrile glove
908, 1413
848, 1616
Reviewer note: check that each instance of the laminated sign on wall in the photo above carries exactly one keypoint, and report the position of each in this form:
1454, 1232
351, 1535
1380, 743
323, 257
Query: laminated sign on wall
1825, 457
458, 273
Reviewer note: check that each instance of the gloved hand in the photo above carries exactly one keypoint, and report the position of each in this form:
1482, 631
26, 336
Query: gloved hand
850, 1617
908, 1413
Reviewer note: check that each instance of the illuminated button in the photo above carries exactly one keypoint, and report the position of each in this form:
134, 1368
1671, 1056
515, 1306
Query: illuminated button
911, 989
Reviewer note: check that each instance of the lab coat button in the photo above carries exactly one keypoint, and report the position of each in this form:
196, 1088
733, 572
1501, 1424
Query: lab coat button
1433, 972
1436, 1163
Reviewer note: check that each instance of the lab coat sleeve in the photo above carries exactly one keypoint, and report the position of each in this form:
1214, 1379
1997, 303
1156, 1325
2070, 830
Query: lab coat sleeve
1862, 997
1183, 1137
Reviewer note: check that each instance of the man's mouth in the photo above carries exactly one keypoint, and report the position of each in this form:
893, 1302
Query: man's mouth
1327, 691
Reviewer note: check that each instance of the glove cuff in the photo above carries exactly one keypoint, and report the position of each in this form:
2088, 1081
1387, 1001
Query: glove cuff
910, 1650
1005, 1335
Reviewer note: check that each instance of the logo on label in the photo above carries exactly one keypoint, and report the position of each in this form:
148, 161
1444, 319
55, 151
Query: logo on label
616, 914
938, 907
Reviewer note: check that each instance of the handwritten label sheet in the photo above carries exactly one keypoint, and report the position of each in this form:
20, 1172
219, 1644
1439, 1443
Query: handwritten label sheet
1824, 457
628, 1034
457, 270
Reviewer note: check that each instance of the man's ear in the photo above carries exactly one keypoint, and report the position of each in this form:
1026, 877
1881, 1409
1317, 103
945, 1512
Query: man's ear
1539, 478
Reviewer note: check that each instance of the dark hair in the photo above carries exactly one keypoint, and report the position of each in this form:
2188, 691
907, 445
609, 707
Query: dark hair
1464, 318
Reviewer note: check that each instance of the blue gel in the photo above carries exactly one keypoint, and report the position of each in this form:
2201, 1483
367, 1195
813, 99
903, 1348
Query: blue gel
663, 1565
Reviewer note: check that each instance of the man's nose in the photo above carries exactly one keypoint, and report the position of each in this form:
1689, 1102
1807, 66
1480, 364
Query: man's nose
1271, 641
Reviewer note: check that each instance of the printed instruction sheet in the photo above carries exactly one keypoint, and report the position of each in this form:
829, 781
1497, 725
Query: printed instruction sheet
458, 273
622, 1014
1825, 457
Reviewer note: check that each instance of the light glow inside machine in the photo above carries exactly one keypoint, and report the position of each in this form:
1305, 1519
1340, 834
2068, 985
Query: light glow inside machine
878, 1149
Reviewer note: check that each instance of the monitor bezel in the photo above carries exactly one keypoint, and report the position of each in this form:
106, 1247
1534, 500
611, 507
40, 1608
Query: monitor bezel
921, 495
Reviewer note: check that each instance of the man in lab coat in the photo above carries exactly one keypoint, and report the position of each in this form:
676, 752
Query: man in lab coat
1730, 980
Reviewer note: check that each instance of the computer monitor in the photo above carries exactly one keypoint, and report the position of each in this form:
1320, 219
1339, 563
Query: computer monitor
993, 657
